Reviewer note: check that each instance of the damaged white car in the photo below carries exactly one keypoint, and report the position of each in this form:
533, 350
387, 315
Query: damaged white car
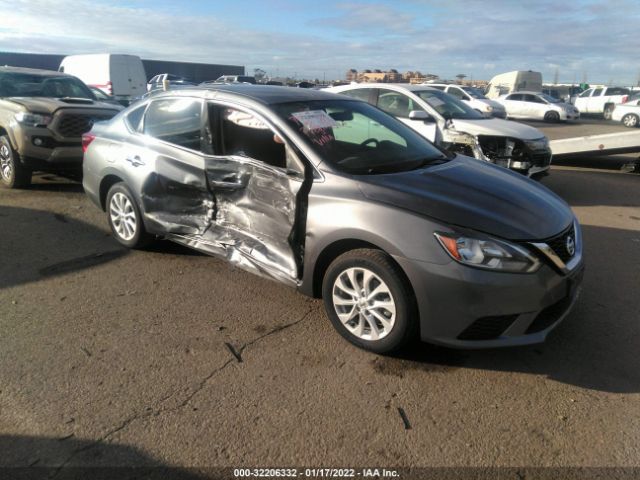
450, 123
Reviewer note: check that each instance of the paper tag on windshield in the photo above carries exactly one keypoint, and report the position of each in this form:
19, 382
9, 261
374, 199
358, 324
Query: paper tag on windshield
435, 102
314, 119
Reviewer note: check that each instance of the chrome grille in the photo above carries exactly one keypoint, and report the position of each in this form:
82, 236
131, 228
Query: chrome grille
559, 244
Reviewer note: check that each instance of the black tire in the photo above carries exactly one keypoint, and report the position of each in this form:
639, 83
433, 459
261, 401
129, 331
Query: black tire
630, 120
405, 326
12, 173
608, 111
140, 238
553, 117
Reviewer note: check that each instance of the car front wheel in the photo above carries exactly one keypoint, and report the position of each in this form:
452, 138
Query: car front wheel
552, 117
125, 219
12, 173
369, 301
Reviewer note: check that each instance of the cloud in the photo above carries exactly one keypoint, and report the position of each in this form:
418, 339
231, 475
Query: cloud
479, 38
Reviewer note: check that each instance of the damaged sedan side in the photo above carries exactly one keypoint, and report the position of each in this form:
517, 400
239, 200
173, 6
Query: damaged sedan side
332, 196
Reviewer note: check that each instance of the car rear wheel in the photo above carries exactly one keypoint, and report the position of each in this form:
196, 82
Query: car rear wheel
12, 173
608, 111
630, 120
125, 219
552, 117
369, 302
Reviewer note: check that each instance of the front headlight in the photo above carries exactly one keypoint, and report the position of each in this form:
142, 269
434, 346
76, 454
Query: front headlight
33, 119
487, 253
489, 108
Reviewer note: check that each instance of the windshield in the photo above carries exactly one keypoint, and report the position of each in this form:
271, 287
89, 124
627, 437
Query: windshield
355, 137
448, 106
549, 98
14, 84
474, 92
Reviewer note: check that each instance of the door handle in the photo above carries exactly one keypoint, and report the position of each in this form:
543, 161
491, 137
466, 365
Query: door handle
135, 161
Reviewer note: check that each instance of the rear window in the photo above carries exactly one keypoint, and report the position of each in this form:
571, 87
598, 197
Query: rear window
359, 93
617, 91
134, 117
175, 120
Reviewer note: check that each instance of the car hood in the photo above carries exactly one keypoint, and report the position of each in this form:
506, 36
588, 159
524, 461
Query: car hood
473, 194
497, 126
50, 105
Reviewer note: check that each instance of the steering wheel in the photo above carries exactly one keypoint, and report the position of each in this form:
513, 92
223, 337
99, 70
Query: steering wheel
368, 141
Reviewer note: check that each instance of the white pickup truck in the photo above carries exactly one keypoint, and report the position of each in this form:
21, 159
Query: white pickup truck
601, 100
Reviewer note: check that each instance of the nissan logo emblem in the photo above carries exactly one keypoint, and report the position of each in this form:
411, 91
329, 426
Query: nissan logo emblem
570, 245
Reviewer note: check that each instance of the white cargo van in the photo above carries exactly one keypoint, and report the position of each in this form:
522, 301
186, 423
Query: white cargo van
122, 76
515, 81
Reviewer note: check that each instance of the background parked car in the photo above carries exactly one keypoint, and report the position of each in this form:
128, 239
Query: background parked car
474, 98
103, 97
629, 112
601, 100
232, 79
120, 76
157, 82
43, 115
537, 106
342, 201
454, 125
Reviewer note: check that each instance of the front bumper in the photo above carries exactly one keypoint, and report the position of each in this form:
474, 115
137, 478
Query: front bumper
463, 307
51, 152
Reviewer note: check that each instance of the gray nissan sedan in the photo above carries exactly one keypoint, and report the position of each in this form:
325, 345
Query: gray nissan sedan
340, 200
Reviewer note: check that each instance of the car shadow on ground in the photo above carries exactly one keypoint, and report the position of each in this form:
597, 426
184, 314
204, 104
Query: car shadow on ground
29, 457
596, 347
56, 183
44, 244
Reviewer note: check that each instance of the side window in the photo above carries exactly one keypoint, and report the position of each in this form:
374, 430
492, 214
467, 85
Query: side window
597, 92
243, 134
586, 93
532, 99
456, 92
517, 97
175, 120
134, 118
359, 93
396, 104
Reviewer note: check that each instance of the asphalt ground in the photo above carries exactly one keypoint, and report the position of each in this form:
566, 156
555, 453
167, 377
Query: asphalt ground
168, 358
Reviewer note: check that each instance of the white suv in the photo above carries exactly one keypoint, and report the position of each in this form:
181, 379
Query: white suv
474, 98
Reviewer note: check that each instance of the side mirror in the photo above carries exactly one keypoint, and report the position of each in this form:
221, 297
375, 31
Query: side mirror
420, 115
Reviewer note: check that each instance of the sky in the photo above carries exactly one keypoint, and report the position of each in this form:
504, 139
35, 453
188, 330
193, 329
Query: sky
592, 40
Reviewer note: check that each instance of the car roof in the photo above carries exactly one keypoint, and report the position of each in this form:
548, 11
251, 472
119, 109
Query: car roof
266, 94
33, 71
524, 91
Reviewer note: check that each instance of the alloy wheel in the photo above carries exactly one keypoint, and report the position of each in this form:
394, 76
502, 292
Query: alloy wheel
364, 303
123, 216
6, 162
630, 120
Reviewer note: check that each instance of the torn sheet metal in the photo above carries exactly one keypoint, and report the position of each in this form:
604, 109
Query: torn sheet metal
235, 208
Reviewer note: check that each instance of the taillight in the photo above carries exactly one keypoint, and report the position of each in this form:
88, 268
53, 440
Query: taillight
87, 138
625, 98
110, 88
